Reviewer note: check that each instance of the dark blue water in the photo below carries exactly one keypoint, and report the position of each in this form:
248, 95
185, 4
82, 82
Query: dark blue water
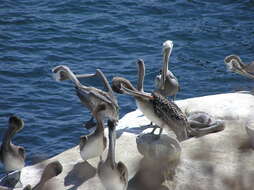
84, 35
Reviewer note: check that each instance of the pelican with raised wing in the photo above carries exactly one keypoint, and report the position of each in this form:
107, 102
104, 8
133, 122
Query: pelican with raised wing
235, 64
166, 83
114, 176
90, 96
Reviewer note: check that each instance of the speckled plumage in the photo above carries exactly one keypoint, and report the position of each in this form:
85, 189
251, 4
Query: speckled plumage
169, 112
167, 109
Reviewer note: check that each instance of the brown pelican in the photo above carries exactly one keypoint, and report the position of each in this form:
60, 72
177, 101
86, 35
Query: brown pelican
93, 145
12, 156
166, 83
91, 97
164, 113
114, 176
201, 123
51, 170
235, 64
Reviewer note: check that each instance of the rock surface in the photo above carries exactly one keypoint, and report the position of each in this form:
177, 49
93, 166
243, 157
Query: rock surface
222, 161
78, 174
214, 161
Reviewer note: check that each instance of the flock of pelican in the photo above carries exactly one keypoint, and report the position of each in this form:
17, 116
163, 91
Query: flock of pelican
156, 106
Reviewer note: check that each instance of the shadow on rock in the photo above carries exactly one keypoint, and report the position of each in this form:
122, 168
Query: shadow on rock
80, 173
151, 175
157, 168
133, 130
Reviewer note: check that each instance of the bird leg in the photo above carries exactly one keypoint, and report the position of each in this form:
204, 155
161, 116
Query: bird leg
161, 130
156, 127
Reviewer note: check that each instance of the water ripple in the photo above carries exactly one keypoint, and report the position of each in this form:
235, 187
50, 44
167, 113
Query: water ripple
110, 35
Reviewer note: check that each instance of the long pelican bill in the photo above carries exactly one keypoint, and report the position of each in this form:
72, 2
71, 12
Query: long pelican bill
141, 75
167, 49
136, 93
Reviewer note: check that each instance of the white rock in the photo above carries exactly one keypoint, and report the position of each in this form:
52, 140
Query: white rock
217, 161
228, 151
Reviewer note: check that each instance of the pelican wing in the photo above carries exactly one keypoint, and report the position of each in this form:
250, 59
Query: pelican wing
105, 82
94, 92
171, 114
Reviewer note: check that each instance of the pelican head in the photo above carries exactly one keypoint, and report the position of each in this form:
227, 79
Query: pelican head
168, 45
60, 72
117, 83
16, 123
63, 72
233, 63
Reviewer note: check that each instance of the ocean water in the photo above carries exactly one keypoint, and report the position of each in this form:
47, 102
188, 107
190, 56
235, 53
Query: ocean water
36, 36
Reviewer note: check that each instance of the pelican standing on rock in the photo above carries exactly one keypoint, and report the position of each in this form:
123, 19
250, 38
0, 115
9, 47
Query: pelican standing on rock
114, 176
91, 97
155, 107
12, 156
166, 83
235, 64
94, 145
51, 170
200, 123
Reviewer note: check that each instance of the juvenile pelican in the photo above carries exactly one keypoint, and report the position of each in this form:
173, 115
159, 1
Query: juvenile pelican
156, 108
12, 156
93, 145
51, 170
235, 64
114, 176
166, 83
91, 97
